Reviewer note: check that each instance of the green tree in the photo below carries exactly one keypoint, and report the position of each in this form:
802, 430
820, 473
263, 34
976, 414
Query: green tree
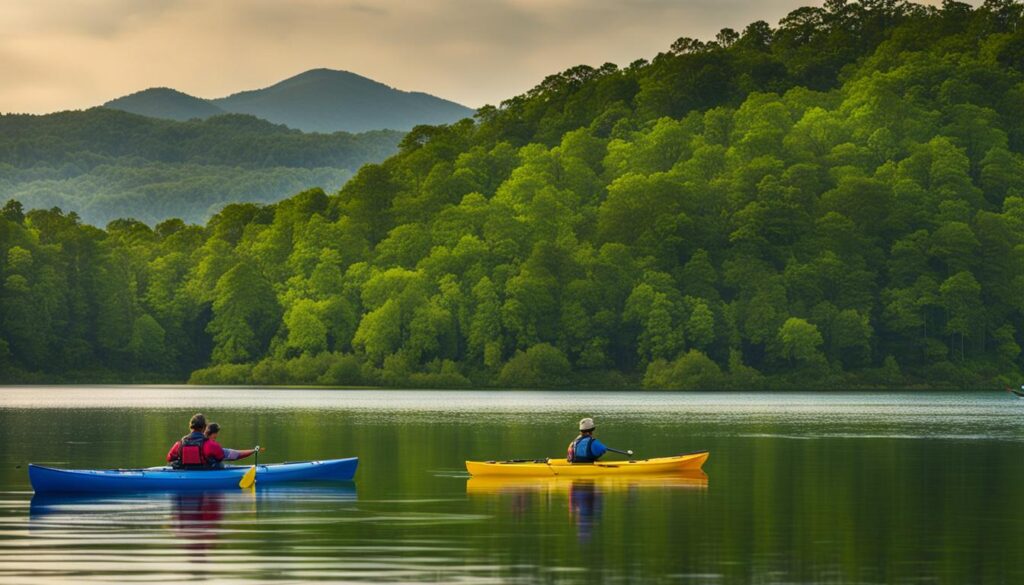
245, 315
307, 333
961, 297
699, 278
539, 366
700, 327
485, 337
850, 338
148, 344
653, 311
800, 341
691, 371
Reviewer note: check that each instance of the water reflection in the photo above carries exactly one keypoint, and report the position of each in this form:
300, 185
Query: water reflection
183, 511
689, 480
585, 501
196, 520
584, 498
141, 531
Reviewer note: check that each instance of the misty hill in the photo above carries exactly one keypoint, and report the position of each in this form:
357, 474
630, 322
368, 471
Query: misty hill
167, 103
105, 164
319, 100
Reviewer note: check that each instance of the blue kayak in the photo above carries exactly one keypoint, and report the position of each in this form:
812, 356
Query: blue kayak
166, 479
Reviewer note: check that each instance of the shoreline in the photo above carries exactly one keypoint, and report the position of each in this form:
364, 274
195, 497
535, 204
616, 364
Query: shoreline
501, 390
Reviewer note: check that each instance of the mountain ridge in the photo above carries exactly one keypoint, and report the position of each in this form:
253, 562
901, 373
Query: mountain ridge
318, 100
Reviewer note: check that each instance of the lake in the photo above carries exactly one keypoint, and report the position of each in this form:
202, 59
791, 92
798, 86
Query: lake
799, 488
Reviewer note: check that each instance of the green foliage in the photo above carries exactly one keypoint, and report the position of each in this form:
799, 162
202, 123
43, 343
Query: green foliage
245, 314
800, 341
835, 201
222, 375
307, 333
538, 367
148, 344
691, 371
346, 370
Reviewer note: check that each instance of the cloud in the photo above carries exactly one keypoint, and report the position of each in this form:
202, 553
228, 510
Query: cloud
99, 18
59, 54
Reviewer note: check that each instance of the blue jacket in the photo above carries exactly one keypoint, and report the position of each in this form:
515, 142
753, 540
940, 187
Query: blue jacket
586, 449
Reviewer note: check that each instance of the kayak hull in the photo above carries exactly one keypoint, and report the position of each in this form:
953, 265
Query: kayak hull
562, 468
166, 479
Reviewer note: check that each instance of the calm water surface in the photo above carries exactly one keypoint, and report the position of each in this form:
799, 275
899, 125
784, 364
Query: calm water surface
800, 488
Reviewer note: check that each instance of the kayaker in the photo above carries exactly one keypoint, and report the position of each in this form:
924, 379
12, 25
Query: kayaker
229, 454
586, 448
194, 451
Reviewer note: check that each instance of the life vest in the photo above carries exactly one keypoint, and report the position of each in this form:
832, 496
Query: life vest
191, 454
573, 456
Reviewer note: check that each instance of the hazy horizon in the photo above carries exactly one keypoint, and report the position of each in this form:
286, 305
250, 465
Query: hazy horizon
75, 54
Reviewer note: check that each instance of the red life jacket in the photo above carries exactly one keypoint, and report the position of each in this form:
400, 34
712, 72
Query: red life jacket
191, 454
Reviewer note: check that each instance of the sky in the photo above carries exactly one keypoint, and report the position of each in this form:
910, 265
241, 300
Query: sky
70, 54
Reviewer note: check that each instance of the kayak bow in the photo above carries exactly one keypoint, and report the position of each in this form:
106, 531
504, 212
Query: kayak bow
166, 479
562, 468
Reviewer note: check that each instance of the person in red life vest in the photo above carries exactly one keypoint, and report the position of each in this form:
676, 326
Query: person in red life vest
229, 454
194, 451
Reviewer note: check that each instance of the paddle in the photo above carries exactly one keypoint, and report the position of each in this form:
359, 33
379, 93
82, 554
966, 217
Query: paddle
627, 453
249, 479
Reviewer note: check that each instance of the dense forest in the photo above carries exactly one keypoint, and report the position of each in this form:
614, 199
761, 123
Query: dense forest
835, 202
106, 164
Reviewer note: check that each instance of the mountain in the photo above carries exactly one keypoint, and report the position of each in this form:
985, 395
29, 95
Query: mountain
167, 103
319, 100
325, 100
832, 203
105, 164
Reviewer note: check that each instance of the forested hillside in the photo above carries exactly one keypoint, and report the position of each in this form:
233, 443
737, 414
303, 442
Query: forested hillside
835, 201
105, 164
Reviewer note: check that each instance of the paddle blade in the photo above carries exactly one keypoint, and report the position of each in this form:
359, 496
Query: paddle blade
248, 479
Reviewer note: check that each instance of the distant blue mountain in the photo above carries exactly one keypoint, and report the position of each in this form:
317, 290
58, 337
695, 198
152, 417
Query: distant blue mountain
319, 100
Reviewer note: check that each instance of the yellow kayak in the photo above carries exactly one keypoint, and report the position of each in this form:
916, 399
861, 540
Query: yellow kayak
562, 468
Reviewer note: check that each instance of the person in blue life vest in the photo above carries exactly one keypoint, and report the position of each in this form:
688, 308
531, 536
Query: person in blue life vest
586, 448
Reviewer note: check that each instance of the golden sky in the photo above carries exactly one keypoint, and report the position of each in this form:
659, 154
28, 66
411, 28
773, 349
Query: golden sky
67, 54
